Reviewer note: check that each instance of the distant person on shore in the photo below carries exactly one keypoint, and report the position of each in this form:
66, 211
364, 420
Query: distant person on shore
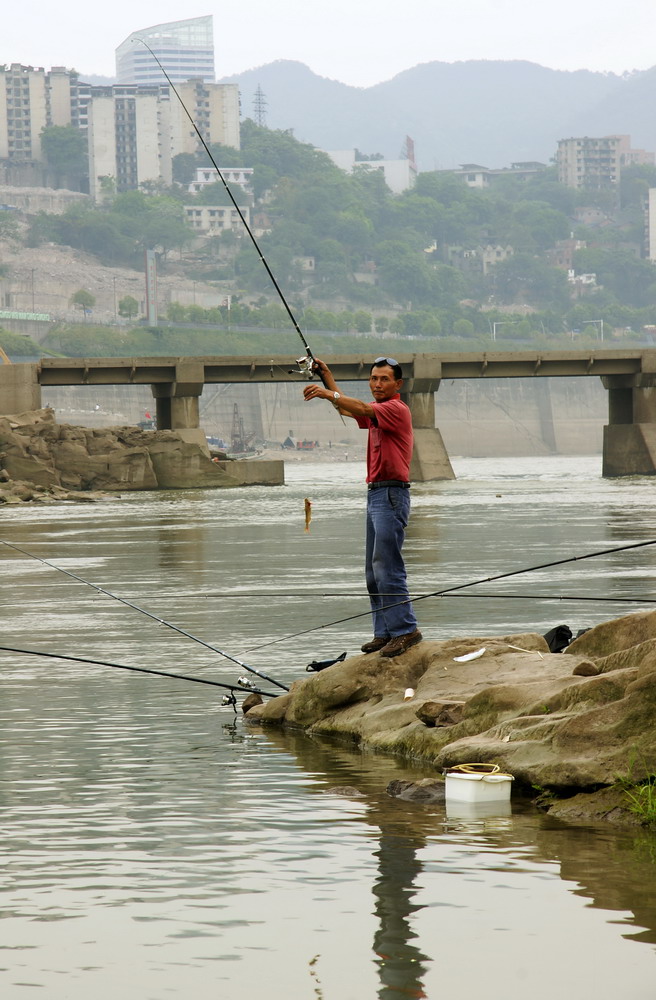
389, 450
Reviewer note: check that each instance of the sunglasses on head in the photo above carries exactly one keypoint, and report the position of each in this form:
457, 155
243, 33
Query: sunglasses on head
387, 361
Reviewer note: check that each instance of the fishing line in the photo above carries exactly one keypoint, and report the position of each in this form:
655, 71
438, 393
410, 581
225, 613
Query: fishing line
364, 595
413, 597
461, 586
305, 364
140, 670
135, 607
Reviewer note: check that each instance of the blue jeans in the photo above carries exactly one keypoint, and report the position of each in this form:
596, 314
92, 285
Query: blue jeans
388, 510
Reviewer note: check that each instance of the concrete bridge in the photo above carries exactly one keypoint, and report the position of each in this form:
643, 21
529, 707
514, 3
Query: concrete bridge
629, 444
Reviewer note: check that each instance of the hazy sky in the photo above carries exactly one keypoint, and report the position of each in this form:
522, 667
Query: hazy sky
360, 42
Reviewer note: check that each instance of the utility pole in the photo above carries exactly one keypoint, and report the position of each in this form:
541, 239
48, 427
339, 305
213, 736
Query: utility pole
151, 286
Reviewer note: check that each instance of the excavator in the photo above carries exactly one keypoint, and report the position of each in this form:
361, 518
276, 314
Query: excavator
3, 357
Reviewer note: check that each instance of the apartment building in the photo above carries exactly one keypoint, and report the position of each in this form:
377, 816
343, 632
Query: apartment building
24, 112
135, 131
595, 163
184, 48
214, 108
32, 99
216, 219
129, 138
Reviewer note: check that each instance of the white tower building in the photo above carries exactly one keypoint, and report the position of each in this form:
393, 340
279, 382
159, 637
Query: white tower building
184, 48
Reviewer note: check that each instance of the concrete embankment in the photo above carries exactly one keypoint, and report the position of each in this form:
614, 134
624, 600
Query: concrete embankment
569, 723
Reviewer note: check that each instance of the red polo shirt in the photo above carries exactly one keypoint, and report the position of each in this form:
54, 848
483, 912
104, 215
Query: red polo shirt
389, 446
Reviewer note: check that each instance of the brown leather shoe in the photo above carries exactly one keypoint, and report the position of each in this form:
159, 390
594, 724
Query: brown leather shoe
376, 643
400, 643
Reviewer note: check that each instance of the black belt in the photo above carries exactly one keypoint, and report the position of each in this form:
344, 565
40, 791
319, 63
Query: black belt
388, 482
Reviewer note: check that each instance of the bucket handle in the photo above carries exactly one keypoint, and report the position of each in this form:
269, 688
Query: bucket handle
474, 768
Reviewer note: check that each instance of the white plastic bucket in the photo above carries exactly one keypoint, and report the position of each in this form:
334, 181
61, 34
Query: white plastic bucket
472, 787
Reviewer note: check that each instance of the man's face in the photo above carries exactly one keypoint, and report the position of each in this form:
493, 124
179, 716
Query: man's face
383, 383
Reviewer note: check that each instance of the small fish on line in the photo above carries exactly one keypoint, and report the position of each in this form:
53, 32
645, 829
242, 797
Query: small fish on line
308, 513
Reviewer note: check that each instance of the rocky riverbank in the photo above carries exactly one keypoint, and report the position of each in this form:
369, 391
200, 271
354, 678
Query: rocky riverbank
568, 725
44, 461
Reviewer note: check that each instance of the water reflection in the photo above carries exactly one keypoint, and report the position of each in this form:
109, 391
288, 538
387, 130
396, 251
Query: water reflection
401, 832
400, 963
615, 871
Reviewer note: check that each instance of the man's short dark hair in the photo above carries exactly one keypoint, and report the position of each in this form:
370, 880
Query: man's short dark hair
394, 365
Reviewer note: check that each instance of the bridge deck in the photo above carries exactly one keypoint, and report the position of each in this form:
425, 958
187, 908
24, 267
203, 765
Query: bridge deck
423, 367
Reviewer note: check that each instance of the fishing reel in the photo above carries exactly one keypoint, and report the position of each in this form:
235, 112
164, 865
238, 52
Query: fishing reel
229, 699
305, 367
246, 682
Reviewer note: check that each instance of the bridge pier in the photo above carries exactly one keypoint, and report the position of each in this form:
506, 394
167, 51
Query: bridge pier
430, 460
629, 447
19, 388
177, 403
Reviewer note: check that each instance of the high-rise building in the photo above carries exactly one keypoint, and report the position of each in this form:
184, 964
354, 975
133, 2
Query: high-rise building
595, 163
32, 99
184, 48
135, 131
23, 112
129, 137
214, 108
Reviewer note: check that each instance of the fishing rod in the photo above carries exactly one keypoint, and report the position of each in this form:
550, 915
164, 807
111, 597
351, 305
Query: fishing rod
306, 365
449, 591
135, 607
556, 597
141, 670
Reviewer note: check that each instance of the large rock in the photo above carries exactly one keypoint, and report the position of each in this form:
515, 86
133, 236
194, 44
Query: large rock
567, 723
611, 637
34, 449
178, 464
25, 447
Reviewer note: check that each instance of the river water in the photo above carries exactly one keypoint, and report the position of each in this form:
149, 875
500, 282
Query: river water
157, 846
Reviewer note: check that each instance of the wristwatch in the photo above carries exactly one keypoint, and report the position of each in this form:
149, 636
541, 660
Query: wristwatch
337, 395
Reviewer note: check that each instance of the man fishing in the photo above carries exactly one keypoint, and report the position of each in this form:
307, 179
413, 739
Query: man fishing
389, 450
